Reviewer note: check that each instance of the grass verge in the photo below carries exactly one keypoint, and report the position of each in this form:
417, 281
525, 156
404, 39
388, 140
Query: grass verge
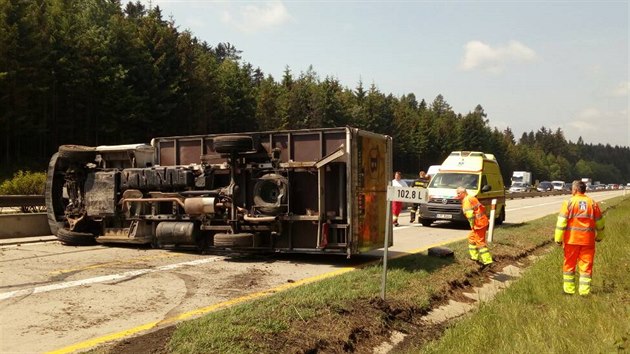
345, 313
535, 316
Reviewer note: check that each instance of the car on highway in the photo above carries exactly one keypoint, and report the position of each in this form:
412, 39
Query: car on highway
520, 187
544, 186
558, 185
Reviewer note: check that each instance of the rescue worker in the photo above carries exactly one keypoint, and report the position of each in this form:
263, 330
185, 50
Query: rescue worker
580, 224
421, 182
475, 212
397, 206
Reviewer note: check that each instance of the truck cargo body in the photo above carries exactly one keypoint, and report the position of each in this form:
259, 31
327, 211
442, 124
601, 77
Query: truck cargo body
318, 190
522, 176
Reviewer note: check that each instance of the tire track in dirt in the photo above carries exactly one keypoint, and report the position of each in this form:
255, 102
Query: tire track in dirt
190, 283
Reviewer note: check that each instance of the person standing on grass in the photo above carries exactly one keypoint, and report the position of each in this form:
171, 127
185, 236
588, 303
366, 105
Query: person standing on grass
397, 206
475, 212
580, 224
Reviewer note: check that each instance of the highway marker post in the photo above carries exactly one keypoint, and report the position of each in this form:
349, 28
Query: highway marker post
491, 227
397, 194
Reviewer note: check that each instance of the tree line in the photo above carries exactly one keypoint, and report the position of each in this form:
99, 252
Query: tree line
95, 72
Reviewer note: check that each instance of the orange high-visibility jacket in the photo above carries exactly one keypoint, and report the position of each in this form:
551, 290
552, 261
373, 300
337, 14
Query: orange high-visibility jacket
578, 221
475, 212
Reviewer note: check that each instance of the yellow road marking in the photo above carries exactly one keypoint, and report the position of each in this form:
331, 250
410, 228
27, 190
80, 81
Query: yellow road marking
215, 307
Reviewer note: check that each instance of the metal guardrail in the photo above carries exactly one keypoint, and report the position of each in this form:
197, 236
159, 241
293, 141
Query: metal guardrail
521, 195
19, 201
544, 194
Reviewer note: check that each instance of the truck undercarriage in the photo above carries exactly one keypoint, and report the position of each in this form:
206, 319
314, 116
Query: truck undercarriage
273, 191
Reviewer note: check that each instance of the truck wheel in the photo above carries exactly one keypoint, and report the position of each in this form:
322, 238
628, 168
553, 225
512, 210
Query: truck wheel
77, 153
501, 218
232, 143
426, 222
234, 240
270, 193
53, 193
73, 238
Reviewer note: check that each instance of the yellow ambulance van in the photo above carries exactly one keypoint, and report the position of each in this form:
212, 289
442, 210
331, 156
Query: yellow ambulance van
478, 172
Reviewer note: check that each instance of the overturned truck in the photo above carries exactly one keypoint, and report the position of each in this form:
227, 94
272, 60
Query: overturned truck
318, 190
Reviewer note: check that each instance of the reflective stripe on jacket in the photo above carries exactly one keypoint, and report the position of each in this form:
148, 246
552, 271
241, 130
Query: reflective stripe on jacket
580, 221
475, 212
421, 183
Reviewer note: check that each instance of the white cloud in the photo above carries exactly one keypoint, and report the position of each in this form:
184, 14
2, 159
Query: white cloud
621, 90
597, 126
478, 55
252, 18
589, 113
582, 126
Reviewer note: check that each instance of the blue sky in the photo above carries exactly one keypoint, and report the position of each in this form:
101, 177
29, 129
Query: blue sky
529, 64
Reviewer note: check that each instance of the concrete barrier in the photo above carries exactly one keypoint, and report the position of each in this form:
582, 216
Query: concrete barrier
23, 225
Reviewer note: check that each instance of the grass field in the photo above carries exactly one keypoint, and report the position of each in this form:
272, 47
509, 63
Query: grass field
535, 316
345, 313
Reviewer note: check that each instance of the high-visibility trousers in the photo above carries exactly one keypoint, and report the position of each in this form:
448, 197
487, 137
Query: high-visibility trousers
477, 246
582, 257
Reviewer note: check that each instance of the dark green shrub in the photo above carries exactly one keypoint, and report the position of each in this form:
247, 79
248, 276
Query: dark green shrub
24, 183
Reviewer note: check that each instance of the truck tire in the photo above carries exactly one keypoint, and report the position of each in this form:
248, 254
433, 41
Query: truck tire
234, 240
77, 153
53, 194
501, 218
426, 222
232, 143
270, 193
73, 238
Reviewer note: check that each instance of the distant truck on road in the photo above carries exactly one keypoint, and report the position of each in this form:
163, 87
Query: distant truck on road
559, 185
318, 190
522, 176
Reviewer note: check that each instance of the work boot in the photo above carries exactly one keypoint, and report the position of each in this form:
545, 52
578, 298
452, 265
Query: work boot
487, 268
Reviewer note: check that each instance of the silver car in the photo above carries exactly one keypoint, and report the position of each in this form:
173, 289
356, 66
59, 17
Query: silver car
520, 187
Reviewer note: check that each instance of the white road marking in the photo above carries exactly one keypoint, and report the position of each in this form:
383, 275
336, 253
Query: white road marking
104, 278
534, 206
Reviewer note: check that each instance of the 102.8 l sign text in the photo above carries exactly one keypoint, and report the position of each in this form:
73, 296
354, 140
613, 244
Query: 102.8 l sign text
407, 194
